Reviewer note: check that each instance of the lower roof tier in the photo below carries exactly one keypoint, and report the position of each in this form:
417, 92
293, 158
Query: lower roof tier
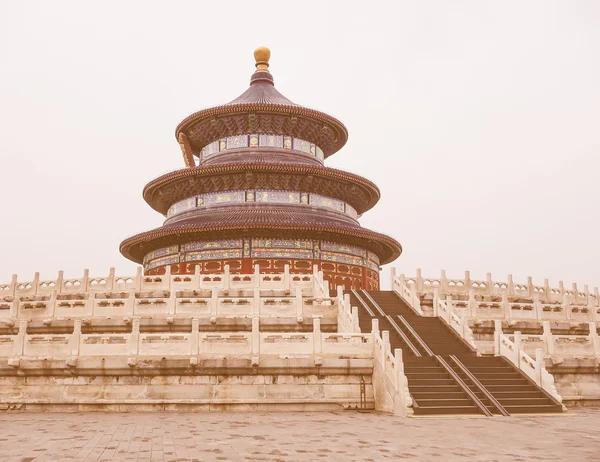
271, 222
167, 190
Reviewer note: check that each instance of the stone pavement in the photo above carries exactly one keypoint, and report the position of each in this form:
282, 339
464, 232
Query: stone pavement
311, 436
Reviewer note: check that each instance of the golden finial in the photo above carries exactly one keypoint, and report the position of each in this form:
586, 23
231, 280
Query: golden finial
261, 56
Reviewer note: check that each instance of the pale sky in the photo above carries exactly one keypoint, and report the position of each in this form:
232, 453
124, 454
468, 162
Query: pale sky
478, 120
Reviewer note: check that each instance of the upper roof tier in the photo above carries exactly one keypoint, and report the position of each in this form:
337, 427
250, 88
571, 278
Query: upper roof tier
261, 109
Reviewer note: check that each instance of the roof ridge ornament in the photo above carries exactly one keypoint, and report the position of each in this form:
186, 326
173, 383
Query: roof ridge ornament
262, 56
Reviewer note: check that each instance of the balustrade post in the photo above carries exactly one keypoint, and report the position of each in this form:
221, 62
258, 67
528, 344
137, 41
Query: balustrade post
392, 276
444, 283
317, 337
134, 347
537, 306
355, 326
286, 277
256, 276
436, 301
548, 337
497, 334
518, 346
374, 328
214, 301
347, 313
168, 276
110, 280
76, 337
196, 277
419, 280
36, 282
138, 279
195, 337
561, 288
85, 280
473, 305
539, 367
575, 293
547, 293
450, 308
529, 286
511, 286
506, 308
256, 301
172, 301
299, 305
59, 281
594, 339
490, 284
226, 278
19, 345
467, 281
566, 307
256, 335
52, 303
385, 346
592, 309
13, 285
398, 368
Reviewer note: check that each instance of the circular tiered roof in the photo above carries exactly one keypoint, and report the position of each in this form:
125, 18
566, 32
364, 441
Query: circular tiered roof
300, 198
262, 109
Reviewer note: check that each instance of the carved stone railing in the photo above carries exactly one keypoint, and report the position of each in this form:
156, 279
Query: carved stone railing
406, 292
347, 314
559, 345
443, 309
194, 344
490, 288
535, 369
222, 295
390, 384
139, 283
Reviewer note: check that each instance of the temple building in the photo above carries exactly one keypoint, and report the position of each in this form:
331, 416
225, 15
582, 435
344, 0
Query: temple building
261, 291
255, 191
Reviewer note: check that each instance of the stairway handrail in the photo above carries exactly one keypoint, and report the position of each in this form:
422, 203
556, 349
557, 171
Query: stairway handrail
415, 335
414, 349
406, 293
375, 304
479, 385
362, 302
464, 386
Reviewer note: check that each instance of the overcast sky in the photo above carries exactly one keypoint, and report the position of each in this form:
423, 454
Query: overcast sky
478, 120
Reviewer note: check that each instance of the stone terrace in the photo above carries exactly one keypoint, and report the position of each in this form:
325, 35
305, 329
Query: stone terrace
331, 436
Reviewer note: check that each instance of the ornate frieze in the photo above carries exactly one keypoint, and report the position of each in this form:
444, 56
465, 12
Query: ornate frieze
260, 141
297, 249
263, 196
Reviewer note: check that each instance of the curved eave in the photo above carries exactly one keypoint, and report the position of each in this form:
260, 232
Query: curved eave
130, 248
248, 108
155, 185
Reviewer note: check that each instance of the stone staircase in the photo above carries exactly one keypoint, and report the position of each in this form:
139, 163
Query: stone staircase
445, 375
